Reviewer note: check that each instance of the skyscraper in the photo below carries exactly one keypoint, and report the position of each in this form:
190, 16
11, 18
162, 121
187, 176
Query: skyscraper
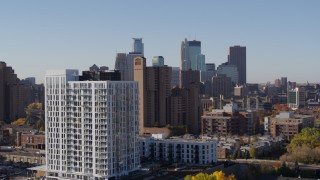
195, 50
124, 62
156, 84
185, 63
284, 84
201, 62
121, 65
221, 86
157, 61
11, 94
138, 46
188, 77
237, 56
191, 57
229, 70
91, 127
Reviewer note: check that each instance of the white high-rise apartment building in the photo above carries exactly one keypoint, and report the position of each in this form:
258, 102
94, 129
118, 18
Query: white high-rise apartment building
91, 127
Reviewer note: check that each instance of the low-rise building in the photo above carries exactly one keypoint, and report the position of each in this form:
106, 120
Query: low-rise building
224, 122
179, 150
287, 124
34, 140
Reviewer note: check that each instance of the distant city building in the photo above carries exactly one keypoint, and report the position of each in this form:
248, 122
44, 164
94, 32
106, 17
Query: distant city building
185, 63
31, 80
175, 77
210, 67
237, 56
230, 71
179, 150
94, 68
157, 61
201, 63
221, 85
296, 98
191, 57
240, 91
130, 65
125, 62
277, 83
122, 66
91, 127
189, 76
284, 84
138, 46
11, 94
100, 76
292, 85
207, 76
104, 68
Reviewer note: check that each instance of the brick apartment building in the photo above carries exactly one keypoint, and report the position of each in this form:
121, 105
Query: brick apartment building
287, 124
224, 122
31, 140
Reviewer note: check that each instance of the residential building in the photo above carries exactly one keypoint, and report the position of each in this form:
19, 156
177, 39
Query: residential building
157, 61
183, 108
179, 150
223, 122
34, 140
287, 124
237, 56
91, 127
155, 87
252, 120
11, 94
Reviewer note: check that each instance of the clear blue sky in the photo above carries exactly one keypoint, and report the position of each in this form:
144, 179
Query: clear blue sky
282, 37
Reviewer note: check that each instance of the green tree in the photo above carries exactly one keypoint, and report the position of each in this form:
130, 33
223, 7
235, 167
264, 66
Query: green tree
308, 136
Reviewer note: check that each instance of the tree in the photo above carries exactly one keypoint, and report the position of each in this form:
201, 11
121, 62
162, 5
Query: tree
217, 175
305, 147
253, 152
20, 121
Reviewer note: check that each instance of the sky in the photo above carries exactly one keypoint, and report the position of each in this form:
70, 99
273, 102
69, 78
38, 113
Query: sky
282, 37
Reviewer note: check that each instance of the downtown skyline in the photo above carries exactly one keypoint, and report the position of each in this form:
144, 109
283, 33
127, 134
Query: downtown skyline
281, 37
